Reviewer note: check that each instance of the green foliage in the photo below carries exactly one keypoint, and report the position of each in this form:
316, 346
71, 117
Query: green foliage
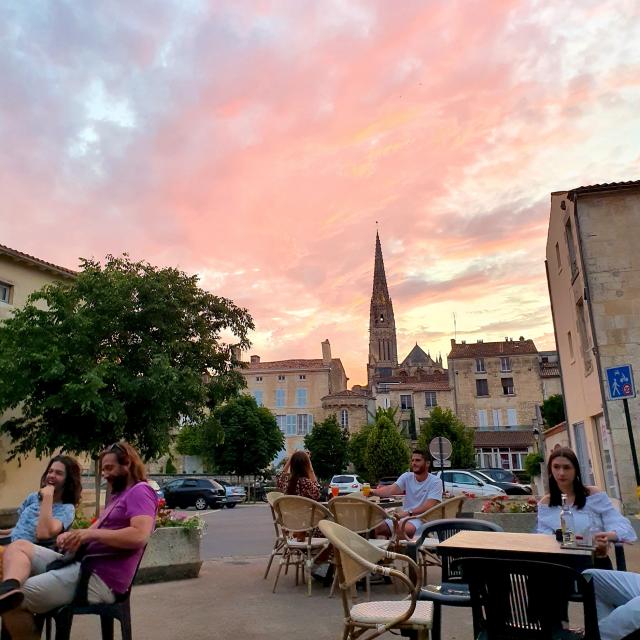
201, 439
389, 413
532, 464
251, 437
443, 422
357, 448
328, 445
553, 411
386, 453
122, 351
170, 467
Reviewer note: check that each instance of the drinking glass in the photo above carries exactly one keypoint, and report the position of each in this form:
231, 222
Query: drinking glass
366, 489
334, 491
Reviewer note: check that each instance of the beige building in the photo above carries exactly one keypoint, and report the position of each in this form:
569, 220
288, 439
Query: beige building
593, 272
21, 275
353, 408
497, 388
294, 390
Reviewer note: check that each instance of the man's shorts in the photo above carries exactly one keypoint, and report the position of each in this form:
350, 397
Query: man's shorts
416, 522
46, 590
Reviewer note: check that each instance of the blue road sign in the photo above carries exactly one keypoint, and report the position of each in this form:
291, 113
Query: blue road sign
620, 382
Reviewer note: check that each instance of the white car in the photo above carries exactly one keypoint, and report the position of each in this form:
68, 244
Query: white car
346, 483
459, 482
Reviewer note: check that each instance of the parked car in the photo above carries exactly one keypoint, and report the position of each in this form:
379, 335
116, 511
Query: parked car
501, 475
346, 483
194, 492
385, 482
459, 481
156, 487
510, 488
235, 493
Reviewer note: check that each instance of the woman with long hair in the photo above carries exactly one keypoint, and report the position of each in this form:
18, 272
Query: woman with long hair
592, 509
51, 510
298, 477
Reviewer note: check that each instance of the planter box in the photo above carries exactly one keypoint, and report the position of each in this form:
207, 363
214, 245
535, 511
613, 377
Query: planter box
173, 553
511, 522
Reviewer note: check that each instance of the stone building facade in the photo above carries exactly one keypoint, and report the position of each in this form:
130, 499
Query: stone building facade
593, 273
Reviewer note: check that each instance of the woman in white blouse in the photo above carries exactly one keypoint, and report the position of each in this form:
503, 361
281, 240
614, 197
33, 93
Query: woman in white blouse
590, 506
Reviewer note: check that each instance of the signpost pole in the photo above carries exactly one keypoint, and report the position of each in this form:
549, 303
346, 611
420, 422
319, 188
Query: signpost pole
634, 455
442, 463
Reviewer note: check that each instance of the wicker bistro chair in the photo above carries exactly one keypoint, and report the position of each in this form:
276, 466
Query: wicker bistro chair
357, 557
453, 590
426, 555
524, 599
297, 517
280, 540
361, 516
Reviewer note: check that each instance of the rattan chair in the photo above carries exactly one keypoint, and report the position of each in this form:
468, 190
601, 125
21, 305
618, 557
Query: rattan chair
356, 558
279, 542
297, 517
361, 516
426, 551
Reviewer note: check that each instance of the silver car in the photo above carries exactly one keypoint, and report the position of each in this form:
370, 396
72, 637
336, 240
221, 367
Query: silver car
458, 482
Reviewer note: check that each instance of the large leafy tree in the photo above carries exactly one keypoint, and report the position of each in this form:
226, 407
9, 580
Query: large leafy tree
443, 422
328, 445
125, 350
251, 437
386, 453
357, 450
553, 411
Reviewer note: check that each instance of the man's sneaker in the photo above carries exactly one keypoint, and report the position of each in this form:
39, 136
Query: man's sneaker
10, 595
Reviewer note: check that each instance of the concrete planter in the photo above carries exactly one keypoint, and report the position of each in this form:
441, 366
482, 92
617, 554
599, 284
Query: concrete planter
511, 522
173, 553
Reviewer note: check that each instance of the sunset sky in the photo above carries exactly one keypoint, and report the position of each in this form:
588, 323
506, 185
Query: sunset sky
257, 144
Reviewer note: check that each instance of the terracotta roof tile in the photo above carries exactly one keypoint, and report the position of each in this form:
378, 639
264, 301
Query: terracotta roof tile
549, 370
605, 186
517, 438
19, 255
489, 349
347, 393
285, 365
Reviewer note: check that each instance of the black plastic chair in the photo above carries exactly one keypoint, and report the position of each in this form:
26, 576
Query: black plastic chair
512, 599
452, 591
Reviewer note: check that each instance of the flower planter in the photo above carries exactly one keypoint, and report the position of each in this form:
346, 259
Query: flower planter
173, 553
511, 522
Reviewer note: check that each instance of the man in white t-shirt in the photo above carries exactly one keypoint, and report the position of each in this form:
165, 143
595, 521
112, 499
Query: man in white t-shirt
421, 492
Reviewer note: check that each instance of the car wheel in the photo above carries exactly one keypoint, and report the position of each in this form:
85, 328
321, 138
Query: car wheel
200, 504
231, 505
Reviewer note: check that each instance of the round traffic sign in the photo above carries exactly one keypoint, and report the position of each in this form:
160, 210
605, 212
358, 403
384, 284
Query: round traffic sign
440, 446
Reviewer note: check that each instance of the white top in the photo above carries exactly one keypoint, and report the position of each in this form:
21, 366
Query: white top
415, 493
606, 517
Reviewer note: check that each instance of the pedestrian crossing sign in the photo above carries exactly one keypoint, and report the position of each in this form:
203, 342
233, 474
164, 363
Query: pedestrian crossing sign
620, 382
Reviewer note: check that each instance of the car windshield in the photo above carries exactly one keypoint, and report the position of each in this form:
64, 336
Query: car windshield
482, 476
342, 479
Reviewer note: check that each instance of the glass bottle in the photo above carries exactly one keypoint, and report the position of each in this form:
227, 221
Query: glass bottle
567, 523
592, 530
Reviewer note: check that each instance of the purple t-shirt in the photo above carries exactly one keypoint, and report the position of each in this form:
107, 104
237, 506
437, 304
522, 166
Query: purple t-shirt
118, 566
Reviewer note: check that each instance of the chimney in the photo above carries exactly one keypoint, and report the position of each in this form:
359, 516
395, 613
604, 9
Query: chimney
236, 353
521, 338
453, 342
255, 359
326, 353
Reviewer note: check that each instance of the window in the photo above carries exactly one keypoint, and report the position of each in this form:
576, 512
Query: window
482, 419
301, 397
258, 378
282, 423
482, 388
291, 425
463, 478
404, 427
258, 395
302, 376
497, 418
281, 378
344, 419
507, 387
430, 399
5, 292
512, 417
280, 398
505, 364
480, 365
304, 423
570, 341
558, 256
406, 401
572, 249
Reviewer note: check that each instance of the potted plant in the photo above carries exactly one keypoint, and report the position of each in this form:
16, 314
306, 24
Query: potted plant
512, 514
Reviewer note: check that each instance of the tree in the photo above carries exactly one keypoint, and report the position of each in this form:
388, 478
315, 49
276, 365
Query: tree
443, 422
201, 439
328, 445
386, 453
553, 411
124, 351
251, 437
357, 449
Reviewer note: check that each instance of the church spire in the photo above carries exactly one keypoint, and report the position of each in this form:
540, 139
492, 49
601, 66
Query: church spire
383, 349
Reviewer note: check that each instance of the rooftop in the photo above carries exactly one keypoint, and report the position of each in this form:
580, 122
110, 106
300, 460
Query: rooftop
289, 365
487, 349
19, 256
549, 370
605, 186
516, 438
